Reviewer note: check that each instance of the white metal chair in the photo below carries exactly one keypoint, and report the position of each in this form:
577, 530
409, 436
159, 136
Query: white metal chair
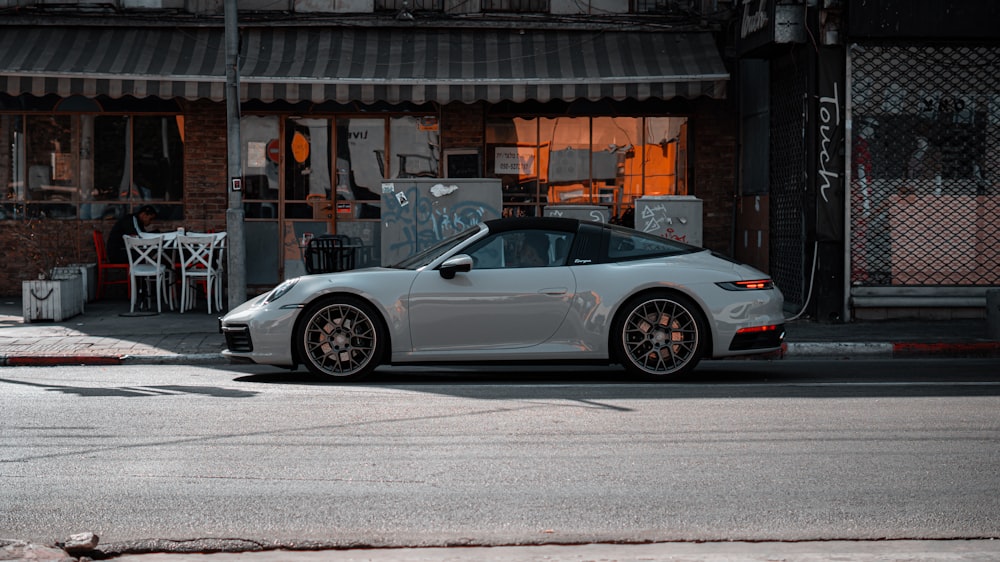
145, 258
199, 265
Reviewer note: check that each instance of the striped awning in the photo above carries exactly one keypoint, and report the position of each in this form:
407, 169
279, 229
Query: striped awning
365, 65
88, 61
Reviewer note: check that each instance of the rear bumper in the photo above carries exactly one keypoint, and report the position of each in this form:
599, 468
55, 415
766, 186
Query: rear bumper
762, 338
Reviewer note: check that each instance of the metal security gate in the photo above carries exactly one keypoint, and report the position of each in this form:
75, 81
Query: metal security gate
925, 184
789, 80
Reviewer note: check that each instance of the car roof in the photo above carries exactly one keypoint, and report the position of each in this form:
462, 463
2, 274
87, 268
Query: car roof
533, 223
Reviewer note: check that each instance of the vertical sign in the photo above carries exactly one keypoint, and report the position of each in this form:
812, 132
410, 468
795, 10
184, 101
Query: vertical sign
829, 145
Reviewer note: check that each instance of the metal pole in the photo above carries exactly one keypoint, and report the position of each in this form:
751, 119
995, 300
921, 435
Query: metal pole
234, 214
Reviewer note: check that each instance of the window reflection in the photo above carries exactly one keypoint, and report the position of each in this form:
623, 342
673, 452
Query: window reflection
512, 156
361, 164
416, 147
158, 159
52, 178
91, 166
665, 156
12, 166
307, 168
260, 157
606, 161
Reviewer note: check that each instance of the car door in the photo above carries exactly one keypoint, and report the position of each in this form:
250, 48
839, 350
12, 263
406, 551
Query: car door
499, 304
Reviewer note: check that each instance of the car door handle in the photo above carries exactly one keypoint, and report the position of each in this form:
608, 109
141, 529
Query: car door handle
553, 291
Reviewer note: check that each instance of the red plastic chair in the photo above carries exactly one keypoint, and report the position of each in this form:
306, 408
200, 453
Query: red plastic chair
104, 267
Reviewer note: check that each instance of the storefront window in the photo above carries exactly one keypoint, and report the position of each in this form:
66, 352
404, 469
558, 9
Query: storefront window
606, 161
111, 178
261, 156
91, 166
12, 166
307, 168
416, 147
158, 162
52, 173
664, 157
361, 164
512, 156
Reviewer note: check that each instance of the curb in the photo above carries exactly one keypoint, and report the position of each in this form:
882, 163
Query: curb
843, 350
824, 350
58, 360
898, 350
97, 360
188, 359
985, 350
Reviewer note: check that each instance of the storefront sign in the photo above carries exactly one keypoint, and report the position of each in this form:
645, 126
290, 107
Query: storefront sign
514, 160
766, 25
756, 24
829, 146
256, 152
755, 17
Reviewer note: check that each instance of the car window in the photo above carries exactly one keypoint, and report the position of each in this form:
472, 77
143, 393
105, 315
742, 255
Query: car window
521, 248
631, 244
430, 254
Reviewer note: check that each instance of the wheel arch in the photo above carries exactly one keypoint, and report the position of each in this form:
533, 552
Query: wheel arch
330, 296
619, 311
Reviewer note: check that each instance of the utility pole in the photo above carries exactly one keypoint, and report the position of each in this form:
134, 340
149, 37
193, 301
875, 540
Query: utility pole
234, 213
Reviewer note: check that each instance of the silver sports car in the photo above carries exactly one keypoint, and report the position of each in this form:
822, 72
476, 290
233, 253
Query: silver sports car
528, 290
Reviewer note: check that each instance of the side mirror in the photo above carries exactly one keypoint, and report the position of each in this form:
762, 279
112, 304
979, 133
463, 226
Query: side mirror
455, 264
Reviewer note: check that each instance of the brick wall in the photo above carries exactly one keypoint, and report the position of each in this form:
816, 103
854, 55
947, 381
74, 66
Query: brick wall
206, 184
34, 246
463, 126
714, 148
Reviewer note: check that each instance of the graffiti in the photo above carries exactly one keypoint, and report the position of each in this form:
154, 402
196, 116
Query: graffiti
654, 217
675, 218
443, 221
426, 220
657, 219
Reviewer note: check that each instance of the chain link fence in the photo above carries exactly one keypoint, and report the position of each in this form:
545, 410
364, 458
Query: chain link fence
789, 80
925, 184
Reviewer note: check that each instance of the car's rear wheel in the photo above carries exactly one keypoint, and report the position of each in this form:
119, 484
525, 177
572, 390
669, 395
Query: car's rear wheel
660, 335
341, 337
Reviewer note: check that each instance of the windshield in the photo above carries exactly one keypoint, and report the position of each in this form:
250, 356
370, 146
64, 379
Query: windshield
420, 259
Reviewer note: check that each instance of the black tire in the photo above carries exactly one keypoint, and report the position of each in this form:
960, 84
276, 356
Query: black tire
659, 335
342, 337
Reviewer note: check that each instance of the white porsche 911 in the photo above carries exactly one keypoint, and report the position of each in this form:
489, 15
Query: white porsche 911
526, 290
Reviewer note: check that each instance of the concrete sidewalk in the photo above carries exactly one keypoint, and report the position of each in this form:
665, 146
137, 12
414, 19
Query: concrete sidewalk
107, 334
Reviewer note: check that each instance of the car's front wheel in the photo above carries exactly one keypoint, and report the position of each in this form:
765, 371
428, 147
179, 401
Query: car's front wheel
660, 335
341, 337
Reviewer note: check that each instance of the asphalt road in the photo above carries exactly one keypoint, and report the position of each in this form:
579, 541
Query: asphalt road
746, 450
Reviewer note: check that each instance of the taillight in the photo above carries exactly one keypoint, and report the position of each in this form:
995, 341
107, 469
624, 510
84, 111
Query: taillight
753, 285
758, 329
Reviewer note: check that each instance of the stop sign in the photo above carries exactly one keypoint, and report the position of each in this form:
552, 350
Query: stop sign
273, 150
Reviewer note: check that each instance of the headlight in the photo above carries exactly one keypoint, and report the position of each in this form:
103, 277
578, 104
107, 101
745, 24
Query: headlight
753, 285
280, 290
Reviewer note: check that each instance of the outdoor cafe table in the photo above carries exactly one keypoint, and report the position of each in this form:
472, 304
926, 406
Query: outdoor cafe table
172, 251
